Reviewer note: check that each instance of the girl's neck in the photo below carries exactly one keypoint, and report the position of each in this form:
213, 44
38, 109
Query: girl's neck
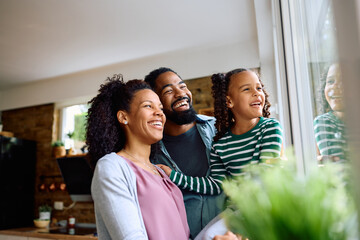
340, 115
242, 126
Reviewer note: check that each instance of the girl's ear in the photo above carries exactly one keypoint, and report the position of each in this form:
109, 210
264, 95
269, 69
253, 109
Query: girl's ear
229, 103
122, 117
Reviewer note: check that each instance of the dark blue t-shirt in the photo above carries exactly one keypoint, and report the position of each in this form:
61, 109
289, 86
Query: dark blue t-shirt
189, 152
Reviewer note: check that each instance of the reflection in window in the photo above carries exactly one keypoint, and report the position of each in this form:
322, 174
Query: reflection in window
329, 126
325, 81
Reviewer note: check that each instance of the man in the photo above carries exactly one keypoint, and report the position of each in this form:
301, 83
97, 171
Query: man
186, 144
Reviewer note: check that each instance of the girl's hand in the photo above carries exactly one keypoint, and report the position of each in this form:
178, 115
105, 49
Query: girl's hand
228, 236
165, 168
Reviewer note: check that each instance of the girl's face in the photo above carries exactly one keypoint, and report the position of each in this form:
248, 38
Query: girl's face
333, 88
245, 98
146, 120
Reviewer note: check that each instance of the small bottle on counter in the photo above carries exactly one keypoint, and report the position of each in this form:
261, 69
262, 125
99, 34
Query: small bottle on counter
71, 221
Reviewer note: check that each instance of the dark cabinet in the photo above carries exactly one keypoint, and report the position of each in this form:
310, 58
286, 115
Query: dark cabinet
17, 182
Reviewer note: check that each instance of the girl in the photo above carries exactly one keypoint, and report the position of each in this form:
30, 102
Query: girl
245, 133
329, 128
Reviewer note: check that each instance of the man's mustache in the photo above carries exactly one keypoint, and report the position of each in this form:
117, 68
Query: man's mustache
181, 99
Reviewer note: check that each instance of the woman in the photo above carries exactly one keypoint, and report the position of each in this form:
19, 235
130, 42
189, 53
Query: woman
133, 198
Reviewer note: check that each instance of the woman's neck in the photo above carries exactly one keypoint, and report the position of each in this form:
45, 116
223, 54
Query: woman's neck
242, 126
138, 151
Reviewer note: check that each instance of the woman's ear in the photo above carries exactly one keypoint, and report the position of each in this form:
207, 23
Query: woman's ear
122, 117
229, 103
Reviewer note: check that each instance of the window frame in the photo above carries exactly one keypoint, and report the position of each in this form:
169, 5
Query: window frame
296, 79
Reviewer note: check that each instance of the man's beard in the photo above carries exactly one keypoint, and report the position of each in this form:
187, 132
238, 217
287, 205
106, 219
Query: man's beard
183, 117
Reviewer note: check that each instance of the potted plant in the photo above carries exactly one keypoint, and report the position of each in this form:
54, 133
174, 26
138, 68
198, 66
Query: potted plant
71, 150
58, 148
44, 212
275, 203
70, 134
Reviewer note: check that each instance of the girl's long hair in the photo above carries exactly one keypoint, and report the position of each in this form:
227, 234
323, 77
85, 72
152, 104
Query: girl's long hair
224, 116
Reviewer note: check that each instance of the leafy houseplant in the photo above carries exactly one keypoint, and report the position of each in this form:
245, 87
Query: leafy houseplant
44, 212
70, 134
274, 203
58, 143
58, 148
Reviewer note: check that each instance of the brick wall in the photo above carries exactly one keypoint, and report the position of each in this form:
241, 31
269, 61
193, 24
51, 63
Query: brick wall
40, 123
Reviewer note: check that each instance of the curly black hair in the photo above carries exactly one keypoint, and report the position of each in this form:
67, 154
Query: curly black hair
153, 75
224, 116
103, 131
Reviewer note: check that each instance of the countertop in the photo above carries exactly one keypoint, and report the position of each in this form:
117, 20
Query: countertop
47, 233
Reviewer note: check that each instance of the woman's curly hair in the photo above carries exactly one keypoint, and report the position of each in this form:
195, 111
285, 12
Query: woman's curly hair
224, 116
104, 133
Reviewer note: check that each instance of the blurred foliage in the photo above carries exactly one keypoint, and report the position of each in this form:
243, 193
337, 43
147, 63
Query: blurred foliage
79, 129
45, 208
273, 202
57, 143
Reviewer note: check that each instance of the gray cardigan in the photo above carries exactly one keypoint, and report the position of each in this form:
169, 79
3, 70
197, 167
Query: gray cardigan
117, 208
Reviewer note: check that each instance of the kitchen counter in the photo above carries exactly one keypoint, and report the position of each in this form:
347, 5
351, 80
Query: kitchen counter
41, 233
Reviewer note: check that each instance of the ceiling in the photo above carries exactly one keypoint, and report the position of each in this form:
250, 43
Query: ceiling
42, 39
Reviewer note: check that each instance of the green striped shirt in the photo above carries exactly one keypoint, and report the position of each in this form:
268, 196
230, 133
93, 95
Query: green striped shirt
330, 135
231, 153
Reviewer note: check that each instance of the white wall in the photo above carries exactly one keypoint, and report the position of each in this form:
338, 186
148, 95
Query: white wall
82, 86
256, 51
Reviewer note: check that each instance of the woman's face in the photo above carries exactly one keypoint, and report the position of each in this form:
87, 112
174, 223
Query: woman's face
246, 98
146, 118
333, 88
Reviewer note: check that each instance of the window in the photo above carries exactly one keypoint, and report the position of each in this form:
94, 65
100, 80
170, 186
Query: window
310, 51
73, 120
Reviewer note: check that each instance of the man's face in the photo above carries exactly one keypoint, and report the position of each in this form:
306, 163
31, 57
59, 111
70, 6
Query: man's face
176, 98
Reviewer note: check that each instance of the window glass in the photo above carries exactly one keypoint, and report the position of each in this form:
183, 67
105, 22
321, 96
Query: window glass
314, 81
73, 127
325, 81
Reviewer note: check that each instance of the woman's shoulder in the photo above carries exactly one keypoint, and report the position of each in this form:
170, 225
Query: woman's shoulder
110, 158
112, 162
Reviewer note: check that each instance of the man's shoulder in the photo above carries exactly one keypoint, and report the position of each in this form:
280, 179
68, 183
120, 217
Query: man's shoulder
203, 119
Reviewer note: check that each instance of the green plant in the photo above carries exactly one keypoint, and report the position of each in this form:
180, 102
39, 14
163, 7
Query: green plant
45, 208
79, 128
70, 134
275, 203
58, 143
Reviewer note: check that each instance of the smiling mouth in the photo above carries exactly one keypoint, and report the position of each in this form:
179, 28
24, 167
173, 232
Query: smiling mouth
336, 97
255, 104
156, 123
183, 102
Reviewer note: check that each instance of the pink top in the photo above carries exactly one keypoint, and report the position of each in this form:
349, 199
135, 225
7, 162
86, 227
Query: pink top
161, 204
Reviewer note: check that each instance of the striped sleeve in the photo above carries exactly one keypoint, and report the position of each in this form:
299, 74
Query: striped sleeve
329, 136
272, 141
204, 185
